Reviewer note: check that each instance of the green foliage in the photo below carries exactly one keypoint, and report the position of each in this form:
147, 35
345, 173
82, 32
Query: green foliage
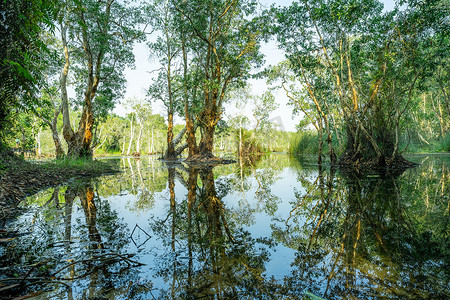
108, 43
444, 143
21, 47
304, 142
358, 68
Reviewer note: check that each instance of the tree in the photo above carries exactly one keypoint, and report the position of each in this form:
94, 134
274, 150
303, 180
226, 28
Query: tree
225, 47
350, 56
313, 103
167, 48
262, 107
103, 34
49, 112
110, 134
21, 24
431, 105
143, 113
241, 98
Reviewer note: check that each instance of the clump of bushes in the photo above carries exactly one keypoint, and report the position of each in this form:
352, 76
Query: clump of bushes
444, 143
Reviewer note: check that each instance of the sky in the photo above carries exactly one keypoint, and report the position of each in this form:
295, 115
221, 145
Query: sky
139, 79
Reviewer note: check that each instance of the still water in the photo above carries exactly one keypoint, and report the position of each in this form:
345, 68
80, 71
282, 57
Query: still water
277, 228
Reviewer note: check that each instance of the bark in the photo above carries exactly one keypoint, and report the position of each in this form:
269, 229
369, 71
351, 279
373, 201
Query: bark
206, 143
79, 142
58, 146
319, 150
67, 128
190, 136
179, 137
131, 135
138, 142
59, 151
38, 141
180, 149
190, 128
170, 153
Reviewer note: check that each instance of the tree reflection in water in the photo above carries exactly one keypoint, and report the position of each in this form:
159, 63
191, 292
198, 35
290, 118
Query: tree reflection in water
214, 259
358, 242
85, 250
216, 232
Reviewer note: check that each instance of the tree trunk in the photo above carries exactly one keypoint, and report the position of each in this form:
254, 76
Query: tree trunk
138, 142
319, 150
79, 143
67, 128
38, 142
131, 136
170, 153
123, 146
152, 145
190, 136
190, 128
58, 146
206, 144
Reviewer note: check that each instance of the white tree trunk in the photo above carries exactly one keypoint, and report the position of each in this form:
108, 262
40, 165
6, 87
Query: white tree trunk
38, 142
153, 145
131, 136
138, 142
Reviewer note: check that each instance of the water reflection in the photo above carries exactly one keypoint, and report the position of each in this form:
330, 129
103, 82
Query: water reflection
277, 228
205, 256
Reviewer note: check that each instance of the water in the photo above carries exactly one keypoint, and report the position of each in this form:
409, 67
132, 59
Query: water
278, 228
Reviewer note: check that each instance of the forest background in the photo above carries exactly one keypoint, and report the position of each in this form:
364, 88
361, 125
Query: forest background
123, 77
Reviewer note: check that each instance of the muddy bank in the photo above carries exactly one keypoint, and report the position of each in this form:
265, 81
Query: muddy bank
19, 179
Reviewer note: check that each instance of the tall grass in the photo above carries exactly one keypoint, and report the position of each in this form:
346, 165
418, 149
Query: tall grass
415, 145
305, 142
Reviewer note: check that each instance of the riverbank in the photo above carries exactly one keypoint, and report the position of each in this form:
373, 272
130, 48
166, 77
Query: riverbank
20, 178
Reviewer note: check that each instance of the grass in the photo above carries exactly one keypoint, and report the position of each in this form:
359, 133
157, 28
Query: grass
307, 142
438, 145
304, 143
20, 178
444, 144
79, 166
